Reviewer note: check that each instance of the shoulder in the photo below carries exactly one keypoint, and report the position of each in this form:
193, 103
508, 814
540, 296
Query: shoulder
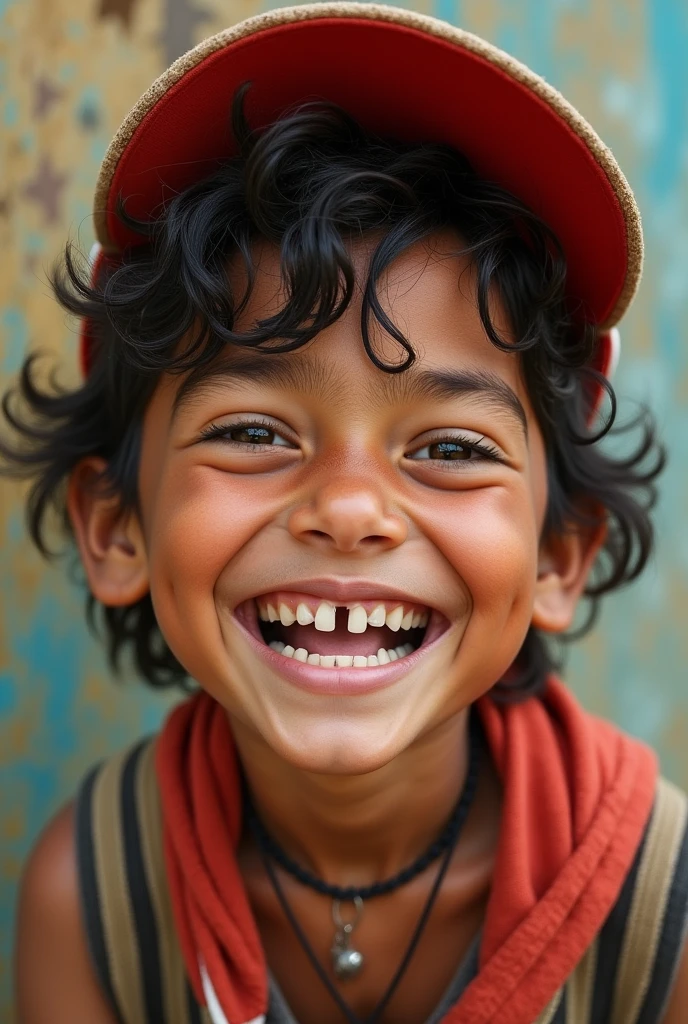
652, 971
674, 923
74, 920
677, 1009
636, 971
54, 978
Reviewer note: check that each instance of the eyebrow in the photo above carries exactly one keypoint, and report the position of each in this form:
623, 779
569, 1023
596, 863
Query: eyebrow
445, 384
278, 371
311, 377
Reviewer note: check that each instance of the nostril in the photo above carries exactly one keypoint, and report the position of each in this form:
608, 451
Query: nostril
350, 542
373, 541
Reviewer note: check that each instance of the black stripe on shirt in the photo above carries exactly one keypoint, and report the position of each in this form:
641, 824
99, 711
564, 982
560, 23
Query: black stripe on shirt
610, 945
141, 904
88, 889
670, 942
561, 1014
192, 1006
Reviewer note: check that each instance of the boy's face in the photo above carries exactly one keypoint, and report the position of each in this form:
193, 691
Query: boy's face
348, 498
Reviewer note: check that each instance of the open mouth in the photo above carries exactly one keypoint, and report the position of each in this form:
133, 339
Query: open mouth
361, 634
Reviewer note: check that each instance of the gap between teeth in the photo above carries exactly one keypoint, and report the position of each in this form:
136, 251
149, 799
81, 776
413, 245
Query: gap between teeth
358, 621
383, 657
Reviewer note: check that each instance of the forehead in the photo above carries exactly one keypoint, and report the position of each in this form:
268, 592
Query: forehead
430, 284
428, 292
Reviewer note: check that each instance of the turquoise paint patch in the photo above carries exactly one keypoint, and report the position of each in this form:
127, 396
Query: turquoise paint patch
67, 71
670, 342
33, 242
621, 16
16, 529
527, 32
81, 213
38, 784
41, 648
508, 38
16, 332
448, 10
75, 29
91, 97
11, 112
98, 150
543, 56
8, 694
667, 22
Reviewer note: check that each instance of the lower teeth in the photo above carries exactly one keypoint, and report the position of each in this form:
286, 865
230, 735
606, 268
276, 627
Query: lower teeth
383, 657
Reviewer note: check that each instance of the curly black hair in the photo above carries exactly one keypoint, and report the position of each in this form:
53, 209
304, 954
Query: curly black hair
312, 183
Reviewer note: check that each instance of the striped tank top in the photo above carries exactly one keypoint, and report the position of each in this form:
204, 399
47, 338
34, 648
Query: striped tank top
625, 976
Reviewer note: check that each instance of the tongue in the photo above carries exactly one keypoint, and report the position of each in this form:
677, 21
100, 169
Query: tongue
340, 640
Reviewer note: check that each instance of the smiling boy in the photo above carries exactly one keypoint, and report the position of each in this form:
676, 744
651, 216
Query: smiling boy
337, 459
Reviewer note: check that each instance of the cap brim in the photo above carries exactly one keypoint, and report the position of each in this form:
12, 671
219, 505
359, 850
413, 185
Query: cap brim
401, 75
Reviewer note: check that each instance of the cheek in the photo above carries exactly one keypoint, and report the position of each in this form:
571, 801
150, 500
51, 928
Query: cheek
489, 537
496, 548
200, 520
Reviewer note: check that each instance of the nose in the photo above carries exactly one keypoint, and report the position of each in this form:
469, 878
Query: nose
348, 515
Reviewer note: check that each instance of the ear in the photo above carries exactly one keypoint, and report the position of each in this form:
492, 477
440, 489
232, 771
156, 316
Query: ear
564, 565
110, 541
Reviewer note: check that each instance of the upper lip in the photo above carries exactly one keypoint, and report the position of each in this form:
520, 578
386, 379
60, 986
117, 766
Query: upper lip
340, 591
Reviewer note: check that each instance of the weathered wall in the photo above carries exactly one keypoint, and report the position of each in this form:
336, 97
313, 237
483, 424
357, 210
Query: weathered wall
70, 69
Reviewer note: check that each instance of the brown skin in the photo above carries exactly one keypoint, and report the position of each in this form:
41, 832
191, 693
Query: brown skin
54, 979
354, 787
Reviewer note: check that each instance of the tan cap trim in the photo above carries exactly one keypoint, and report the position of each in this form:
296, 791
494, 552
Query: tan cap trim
431, 26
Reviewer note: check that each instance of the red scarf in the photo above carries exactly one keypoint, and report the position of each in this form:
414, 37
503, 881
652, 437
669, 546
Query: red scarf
577, 796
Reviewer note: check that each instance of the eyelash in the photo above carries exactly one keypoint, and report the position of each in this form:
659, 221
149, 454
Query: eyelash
485, 452
219, 431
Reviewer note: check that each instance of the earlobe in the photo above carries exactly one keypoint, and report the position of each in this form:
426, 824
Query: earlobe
564, 566
110, 540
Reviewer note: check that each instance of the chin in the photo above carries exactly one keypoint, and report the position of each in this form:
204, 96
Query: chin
336, 744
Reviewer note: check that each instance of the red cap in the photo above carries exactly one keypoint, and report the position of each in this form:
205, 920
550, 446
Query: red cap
402, 75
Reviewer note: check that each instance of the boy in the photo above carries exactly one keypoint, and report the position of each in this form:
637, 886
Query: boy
336, 459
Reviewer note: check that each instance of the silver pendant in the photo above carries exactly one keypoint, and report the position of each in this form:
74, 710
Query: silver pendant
346, 962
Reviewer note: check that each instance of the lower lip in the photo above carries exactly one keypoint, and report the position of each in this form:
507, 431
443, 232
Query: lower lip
337, 681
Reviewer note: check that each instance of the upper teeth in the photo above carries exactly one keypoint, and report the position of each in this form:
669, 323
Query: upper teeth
304, 616
358, 621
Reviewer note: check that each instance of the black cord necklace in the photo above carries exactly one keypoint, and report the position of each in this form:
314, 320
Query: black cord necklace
346, 961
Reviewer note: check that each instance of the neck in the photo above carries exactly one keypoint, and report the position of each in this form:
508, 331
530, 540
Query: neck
355, 830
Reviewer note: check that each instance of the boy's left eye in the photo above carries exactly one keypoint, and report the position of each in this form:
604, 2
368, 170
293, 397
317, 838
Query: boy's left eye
456, 449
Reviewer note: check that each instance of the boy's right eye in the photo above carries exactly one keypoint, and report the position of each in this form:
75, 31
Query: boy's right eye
253, 434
